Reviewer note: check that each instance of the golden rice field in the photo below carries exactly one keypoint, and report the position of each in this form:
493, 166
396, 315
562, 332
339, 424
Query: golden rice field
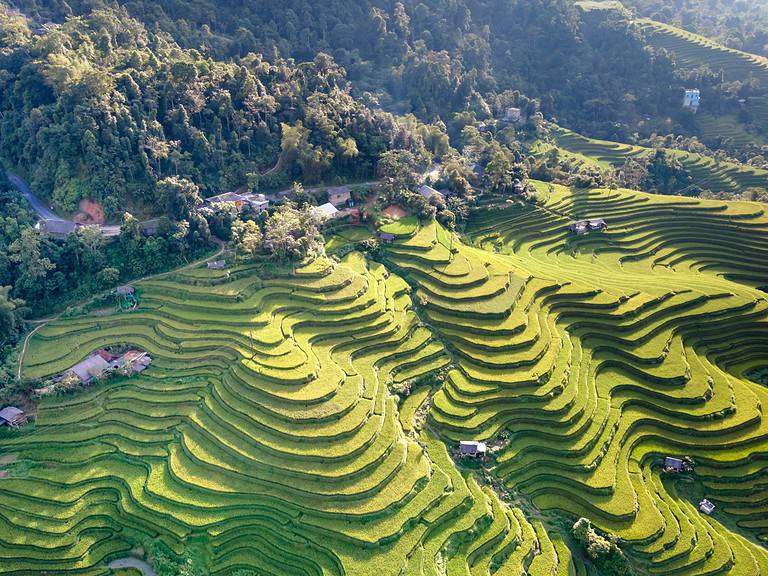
267, 425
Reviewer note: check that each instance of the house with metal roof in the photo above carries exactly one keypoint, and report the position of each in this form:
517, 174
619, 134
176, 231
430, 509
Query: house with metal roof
427, 191
324, 211
513, 115
12, 416
472, 448
340, 196
59, 228
94, 366
706, 506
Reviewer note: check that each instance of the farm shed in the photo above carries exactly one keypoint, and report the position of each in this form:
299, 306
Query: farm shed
386, 237
216, 265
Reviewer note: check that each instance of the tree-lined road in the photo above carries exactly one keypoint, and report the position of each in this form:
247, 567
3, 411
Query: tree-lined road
42, 210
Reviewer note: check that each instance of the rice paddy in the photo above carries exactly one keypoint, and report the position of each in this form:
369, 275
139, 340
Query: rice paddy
267, 425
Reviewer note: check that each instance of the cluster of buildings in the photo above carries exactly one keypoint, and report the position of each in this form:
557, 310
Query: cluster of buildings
258, 202
339, 205
100, 363
585, 226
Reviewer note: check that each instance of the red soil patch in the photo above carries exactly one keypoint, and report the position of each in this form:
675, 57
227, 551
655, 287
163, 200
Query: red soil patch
394, 211
90, 213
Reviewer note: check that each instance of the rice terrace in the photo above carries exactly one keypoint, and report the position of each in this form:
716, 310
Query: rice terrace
383, 288
268, 425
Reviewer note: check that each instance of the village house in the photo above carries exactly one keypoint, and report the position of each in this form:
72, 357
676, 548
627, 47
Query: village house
692, 99
386, 237
472, 448
427, 191
126, 290
585, 226
258, 201
706, 506
340, 197
132, 362
518, 188
58, 228
513, 115
12, 416
94, 366
325, 211
216, 265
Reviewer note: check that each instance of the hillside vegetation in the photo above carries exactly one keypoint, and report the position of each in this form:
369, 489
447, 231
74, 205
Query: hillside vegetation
267, 428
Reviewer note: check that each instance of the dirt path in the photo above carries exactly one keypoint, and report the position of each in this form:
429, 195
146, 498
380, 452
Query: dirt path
135, 563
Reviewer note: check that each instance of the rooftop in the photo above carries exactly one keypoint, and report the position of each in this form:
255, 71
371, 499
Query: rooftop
10, 413
326, 210
427, 191
93, 366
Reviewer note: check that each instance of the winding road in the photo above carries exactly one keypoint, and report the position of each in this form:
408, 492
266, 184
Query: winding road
45, 213
42, 210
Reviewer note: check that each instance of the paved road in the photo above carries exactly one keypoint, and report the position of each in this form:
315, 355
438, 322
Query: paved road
46, 213
42, 210
135, 563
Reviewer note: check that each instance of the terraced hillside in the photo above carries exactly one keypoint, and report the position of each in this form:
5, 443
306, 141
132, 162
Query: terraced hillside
708, 173
693, 51
266, 427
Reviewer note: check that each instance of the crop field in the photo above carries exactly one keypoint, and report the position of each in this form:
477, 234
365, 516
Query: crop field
267, 425
718, 176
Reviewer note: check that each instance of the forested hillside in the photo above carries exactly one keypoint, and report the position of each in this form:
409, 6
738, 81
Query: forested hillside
100, 108
436, 57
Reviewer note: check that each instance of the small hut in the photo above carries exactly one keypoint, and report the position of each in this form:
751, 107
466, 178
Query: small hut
386, 237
